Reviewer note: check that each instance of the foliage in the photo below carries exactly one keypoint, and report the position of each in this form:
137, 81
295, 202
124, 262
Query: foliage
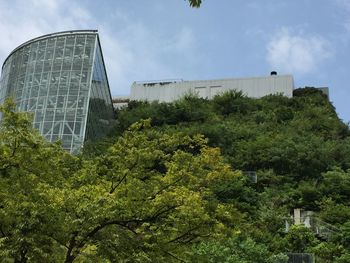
147, 198
300, 239
235, 250
298, 147
195, 3
28, 165
169, 184
334, 213
328, 252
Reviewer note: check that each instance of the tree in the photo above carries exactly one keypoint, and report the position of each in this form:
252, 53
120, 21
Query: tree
300, 239
30, 167
236, 249
327, 252
146, 199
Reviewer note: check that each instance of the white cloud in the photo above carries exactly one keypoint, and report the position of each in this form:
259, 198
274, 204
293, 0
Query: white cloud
297, 52
343, 17
343, 3
47, 5
183, 40
131, 50
134, 53
22, 20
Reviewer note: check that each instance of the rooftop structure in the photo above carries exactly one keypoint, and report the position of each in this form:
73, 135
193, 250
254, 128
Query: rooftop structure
170, 90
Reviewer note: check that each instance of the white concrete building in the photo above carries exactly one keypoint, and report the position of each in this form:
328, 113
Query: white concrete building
255, 87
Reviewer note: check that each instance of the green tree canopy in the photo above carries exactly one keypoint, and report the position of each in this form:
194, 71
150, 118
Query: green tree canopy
146, 199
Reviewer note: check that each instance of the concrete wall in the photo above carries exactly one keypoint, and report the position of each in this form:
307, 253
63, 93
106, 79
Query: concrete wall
255, 87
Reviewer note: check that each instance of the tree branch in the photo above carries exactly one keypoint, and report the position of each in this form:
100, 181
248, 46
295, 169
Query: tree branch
113, 188
173, 256
2, 232
124, 224
160, 212
14, 149
69, 256
59, 242
164, 188
188, 232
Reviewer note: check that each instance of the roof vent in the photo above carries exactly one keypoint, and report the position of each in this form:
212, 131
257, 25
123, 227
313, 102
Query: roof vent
273, 73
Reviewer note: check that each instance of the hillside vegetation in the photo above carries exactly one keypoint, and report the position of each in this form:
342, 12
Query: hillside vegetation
298, 147
170, 184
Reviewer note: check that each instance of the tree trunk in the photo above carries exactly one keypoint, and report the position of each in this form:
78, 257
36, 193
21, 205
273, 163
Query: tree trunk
69, 258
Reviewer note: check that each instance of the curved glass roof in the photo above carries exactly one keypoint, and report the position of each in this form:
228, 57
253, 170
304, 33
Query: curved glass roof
61, 33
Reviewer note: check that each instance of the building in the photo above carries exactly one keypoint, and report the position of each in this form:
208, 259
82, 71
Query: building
61, 79
255, 87
120, 102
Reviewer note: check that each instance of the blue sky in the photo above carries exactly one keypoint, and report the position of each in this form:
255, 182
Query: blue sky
166, 39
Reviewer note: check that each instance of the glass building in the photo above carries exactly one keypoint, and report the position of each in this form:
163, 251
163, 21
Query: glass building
61, 79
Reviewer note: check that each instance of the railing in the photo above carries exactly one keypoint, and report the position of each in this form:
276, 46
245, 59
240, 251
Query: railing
160, 82
323, 229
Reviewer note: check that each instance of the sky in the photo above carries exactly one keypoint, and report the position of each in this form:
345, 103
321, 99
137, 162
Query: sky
166, 39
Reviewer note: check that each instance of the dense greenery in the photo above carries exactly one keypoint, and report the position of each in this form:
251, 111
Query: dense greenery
168, 186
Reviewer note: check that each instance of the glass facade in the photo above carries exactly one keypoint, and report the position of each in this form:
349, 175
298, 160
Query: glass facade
61, 79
